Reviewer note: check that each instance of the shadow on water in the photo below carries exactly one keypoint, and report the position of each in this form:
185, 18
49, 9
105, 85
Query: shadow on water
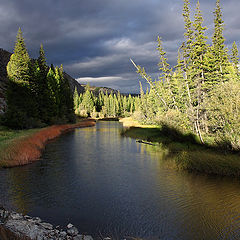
185, 152
110, 185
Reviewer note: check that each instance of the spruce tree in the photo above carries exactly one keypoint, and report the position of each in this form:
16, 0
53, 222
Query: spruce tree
163, 65
18, 66
22, 109
188, 33
88, 102
235, 57
218, 41
46, 105
75, 98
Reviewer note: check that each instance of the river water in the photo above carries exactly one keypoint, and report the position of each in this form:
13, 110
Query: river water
110, 185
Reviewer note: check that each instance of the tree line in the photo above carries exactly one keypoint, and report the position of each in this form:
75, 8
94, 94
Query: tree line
201, 94
104, 105
37, 95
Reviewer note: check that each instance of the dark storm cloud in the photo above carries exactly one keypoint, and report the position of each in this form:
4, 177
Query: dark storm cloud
95, 39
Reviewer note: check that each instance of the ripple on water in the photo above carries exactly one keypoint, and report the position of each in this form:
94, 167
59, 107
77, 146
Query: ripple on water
102, 182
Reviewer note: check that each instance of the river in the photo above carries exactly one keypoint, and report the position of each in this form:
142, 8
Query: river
110, 185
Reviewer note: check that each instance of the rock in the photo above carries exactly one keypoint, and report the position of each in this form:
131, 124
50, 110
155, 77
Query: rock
63, 234
73, 231
46, 225
37, 219
16, 216
26, 227
83, 237
69, 225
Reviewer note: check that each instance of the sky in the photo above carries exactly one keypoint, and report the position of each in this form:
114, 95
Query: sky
95, 39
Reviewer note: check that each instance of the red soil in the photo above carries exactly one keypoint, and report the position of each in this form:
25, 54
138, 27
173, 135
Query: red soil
28, 149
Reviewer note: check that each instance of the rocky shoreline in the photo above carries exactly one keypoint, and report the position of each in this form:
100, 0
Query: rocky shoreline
17, 226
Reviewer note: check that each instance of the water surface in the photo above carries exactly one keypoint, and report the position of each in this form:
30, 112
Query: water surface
106, 184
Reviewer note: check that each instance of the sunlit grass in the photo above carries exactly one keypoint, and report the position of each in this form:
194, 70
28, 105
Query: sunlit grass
27, 146
130, 122
187, 153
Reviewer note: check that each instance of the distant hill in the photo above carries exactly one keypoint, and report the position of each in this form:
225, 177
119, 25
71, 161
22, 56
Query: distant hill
4, 59
97, 90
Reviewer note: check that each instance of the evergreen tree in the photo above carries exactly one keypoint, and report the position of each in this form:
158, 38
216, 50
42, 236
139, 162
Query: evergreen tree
88, 102
235, 58
218, 41
187, 45
75, 98
18, 66
22, 109
45, 100
199, 47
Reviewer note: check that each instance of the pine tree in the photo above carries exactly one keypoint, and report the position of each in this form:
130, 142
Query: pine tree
163, 65
186, 46
18, 66
42, 59
88, 102
46, 105
218, 41
235, 58
199, 46
66, 104
75, 98
22, 109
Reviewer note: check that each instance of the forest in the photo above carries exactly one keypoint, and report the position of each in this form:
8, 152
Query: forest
104, 105
37, 95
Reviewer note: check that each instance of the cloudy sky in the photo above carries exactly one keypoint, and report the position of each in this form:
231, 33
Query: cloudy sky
94, 39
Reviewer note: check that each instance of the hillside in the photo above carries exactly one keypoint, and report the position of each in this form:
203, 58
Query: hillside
4, 59
97, 90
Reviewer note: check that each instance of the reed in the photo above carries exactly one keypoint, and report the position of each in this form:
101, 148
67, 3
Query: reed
28, 149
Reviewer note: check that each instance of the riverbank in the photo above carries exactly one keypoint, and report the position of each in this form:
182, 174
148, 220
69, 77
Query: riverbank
23, 227
24, 147
187, 152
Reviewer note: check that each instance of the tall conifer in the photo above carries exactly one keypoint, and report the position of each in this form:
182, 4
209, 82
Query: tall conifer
18, 66
218, 42
235, 57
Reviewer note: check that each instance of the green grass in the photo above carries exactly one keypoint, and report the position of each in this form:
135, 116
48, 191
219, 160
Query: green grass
186, 151
8, 135
164, 135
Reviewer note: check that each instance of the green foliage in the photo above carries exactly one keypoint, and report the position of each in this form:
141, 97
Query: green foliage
224, 114
36, 96
235, 58
18, 66
201, 94
104, 105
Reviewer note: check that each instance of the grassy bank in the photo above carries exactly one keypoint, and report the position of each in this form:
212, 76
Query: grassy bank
186, 151
23, 147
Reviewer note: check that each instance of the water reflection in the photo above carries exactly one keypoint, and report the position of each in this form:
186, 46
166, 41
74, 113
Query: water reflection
102, 182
